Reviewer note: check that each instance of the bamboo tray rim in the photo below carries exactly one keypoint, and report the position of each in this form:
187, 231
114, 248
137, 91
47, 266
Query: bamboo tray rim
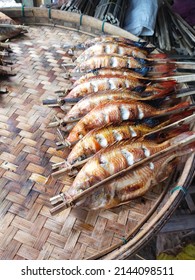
80, 19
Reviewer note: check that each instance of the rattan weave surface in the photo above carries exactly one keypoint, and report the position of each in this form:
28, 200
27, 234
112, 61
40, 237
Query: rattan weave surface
27, 151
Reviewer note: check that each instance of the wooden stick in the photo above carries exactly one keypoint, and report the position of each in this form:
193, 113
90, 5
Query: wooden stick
7, 25
185, 65
50, 102
179, 79
64, 170
62, 122
5, 45
181, 19
3, 90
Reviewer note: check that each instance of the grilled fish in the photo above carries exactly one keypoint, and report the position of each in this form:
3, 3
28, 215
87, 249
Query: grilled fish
131, 185
116, 158
106, 71
106, 82
110, 61
100, 138
111, 48
109, 39
134, 183
115, 112
86, 104
89, 102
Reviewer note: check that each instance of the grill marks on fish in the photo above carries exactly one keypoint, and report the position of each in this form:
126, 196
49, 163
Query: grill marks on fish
109, 61
111, 112
97, 139
113, 39
101, 140
114, 159
107, 71
128, 156
111, 48
131, 185
102, 83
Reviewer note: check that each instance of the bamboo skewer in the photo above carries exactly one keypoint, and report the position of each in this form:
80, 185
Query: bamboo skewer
7, 25
6, 70
4, 45
179, 79
3, 90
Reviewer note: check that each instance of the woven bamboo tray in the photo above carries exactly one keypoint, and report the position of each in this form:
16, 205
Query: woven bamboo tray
27, 151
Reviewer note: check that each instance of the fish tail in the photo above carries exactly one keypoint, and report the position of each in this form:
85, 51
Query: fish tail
161, 88
72, 100
175, 132
158, 56
166, 84
175, 109
181, 115
163, 69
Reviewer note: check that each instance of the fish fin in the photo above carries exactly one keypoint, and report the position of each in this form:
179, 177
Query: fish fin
142, 61
139, 88
158, 56
163, 69
166, 84
175, 109
143, 71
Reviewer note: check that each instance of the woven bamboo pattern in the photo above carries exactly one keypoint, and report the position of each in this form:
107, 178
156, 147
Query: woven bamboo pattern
27, 151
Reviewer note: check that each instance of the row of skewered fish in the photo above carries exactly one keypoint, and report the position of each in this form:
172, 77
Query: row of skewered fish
119, 133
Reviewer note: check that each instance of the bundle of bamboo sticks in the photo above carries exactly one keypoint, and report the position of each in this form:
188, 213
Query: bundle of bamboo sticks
111, 11
172, 32
79, 6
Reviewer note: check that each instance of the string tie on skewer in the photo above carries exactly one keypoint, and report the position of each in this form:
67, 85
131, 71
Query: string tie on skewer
23, 13
103, 22
178, 188
49, 13
81, 20
124, 240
